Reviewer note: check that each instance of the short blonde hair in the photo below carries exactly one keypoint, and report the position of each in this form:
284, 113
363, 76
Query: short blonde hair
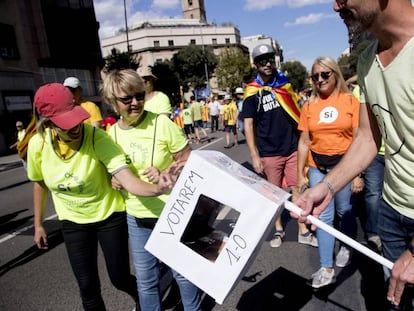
328, 62
126, 80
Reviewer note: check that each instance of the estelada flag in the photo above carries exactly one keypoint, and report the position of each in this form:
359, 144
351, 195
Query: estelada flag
281, 89
31, 129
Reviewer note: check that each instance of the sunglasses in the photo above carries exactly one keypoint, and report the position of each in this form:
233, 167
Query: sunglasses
264, 61
126, 100
324, 75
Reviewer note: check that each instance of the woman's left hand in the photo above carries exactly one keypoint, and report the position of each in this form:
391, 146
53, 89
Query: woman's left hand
153, 174
357, 184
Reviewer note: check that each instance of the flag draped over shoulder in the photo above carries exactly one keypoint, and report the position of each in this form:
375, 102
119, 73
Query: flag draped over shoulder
30, 131
281, 89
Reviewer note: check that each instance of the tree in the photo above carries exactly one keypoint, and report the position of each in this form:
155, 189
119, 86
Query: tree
167, 81
296, 73
348, 63
231, 69
121, 60
190, 63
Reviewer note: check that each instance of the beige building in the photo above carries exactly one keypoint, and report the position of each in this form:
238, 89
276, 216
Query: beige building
155, 40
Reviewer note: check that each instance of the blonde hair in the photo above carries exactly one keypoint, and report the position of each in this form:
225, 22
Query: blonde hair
126, 80
328, 62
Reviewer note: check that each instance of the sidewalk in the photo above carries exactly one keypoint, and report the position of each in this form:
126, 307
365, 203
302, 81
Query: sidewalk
9, 162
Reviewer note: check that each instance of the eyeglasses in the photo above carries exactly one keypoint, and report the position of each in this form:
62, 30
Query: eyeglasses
264, 61
324, 75
126, 100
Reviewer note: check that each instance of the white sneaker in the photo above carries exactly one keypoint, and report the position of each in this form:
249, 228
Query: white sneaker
277, 239
308, 239
343, 258
322, 278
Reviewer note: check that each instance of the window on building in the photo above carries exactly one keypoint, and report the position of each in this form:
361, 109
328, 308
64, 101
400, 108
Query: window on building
158, 60
227, 40
190, 2
193, 41
8, 42
156, 43
170, 42
214, 41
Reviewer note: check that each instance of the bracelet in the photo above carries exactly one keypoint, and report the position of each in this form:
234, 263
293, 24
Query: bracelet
330, 187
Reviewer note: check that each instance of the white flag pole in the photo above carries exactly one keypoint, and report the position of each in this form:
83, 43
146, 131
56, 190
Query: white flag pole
340, 236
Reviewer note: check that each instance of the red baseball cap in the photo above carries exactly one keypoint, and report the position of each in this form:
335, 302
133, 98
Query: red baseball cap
55, 101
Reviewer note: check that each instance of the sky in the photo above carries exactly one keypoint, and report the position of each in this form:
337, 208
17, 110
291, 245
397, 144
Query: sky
305, 29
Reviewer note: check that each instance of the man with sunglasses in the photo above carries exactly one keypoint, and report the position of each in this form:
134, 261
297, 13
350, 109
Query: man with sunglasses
271, 113
385, 75
73, 84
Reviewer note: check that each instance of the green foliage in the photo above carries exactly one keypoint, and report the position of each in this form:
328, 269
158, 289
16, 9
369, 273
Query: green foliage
348, 64
167, 81
296, 73
190, 63
120, 60
231, 69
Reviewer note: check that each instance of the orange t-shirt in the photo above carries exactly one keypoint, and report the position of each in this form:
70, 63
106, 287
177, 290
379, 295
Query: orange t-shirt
330, 123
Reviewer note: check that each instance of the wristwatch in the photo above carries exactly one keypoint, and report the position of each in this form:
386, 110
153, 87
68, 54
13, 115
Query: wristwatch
410, 247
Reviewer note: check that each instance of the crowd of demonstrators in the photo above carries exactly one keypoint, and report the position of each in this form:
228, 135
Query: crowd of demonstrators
271, 113
230, 119
73, 160
73, 84
328, 123
152, 142
155, 101
196, 115
385, 70
214, 112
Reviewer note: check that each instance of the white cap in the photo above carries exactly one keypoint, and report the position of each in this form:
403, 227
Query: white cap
227, 96
146, 72
71, 82
238, 90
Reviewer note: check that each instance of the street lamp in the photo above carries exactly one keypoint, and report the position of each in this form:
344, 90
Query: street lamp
205, 62
127, 37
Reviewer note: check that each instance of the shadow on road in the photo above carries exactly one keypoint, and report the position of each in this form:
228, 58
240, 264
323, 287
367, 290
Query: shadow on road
54, 238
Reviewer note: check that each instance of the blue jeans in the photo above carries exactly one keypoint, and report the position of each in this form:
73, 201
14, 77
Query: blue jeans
395, 231
373, 179
147, 269
81, 241
342, 205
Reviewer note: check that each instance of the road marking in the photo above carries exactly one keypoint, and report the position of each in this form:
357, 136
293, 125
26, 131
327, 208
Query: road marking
17, 232
211, 143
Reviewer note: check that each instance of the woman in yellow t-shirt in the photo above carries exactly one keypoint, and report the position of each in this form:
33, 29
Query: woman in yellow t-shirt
152, 142
73, 161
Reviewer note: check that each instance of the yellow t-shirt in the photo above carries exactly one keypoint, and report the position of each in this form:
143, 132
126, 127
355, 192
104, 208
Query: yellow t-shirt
81, 184
229, 113
159, 103
93, 110
141, 147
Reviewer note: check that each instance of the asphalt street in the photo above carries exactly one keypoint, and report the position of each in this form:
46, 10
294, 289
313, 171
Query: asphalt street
277, 279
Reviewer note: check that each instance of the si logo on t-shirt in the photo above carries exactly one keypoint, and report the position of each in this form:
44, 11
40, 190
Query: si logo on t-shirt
328, 115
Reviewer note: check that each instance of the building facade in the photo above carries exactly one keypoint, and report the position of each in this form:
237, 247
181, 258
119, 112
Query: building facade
44, 41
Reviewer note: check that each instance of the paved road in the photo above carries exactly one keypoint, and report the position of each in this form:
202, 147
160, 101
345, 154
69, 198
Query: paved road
277, 279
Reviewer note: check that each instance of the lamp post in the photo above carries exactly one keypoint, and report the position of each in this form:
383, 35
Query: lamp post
205, 62
127, 37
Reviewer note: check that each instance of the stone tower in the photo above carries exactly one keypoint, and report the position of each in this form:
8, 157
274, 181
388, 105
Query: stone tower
194, 9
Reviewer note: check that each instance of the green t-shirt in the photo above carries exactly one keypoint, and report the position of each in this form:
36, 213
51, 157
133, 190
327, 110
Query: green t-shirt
390, 93
159, 103
187, 119
196, 110
80, 185
153, 140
